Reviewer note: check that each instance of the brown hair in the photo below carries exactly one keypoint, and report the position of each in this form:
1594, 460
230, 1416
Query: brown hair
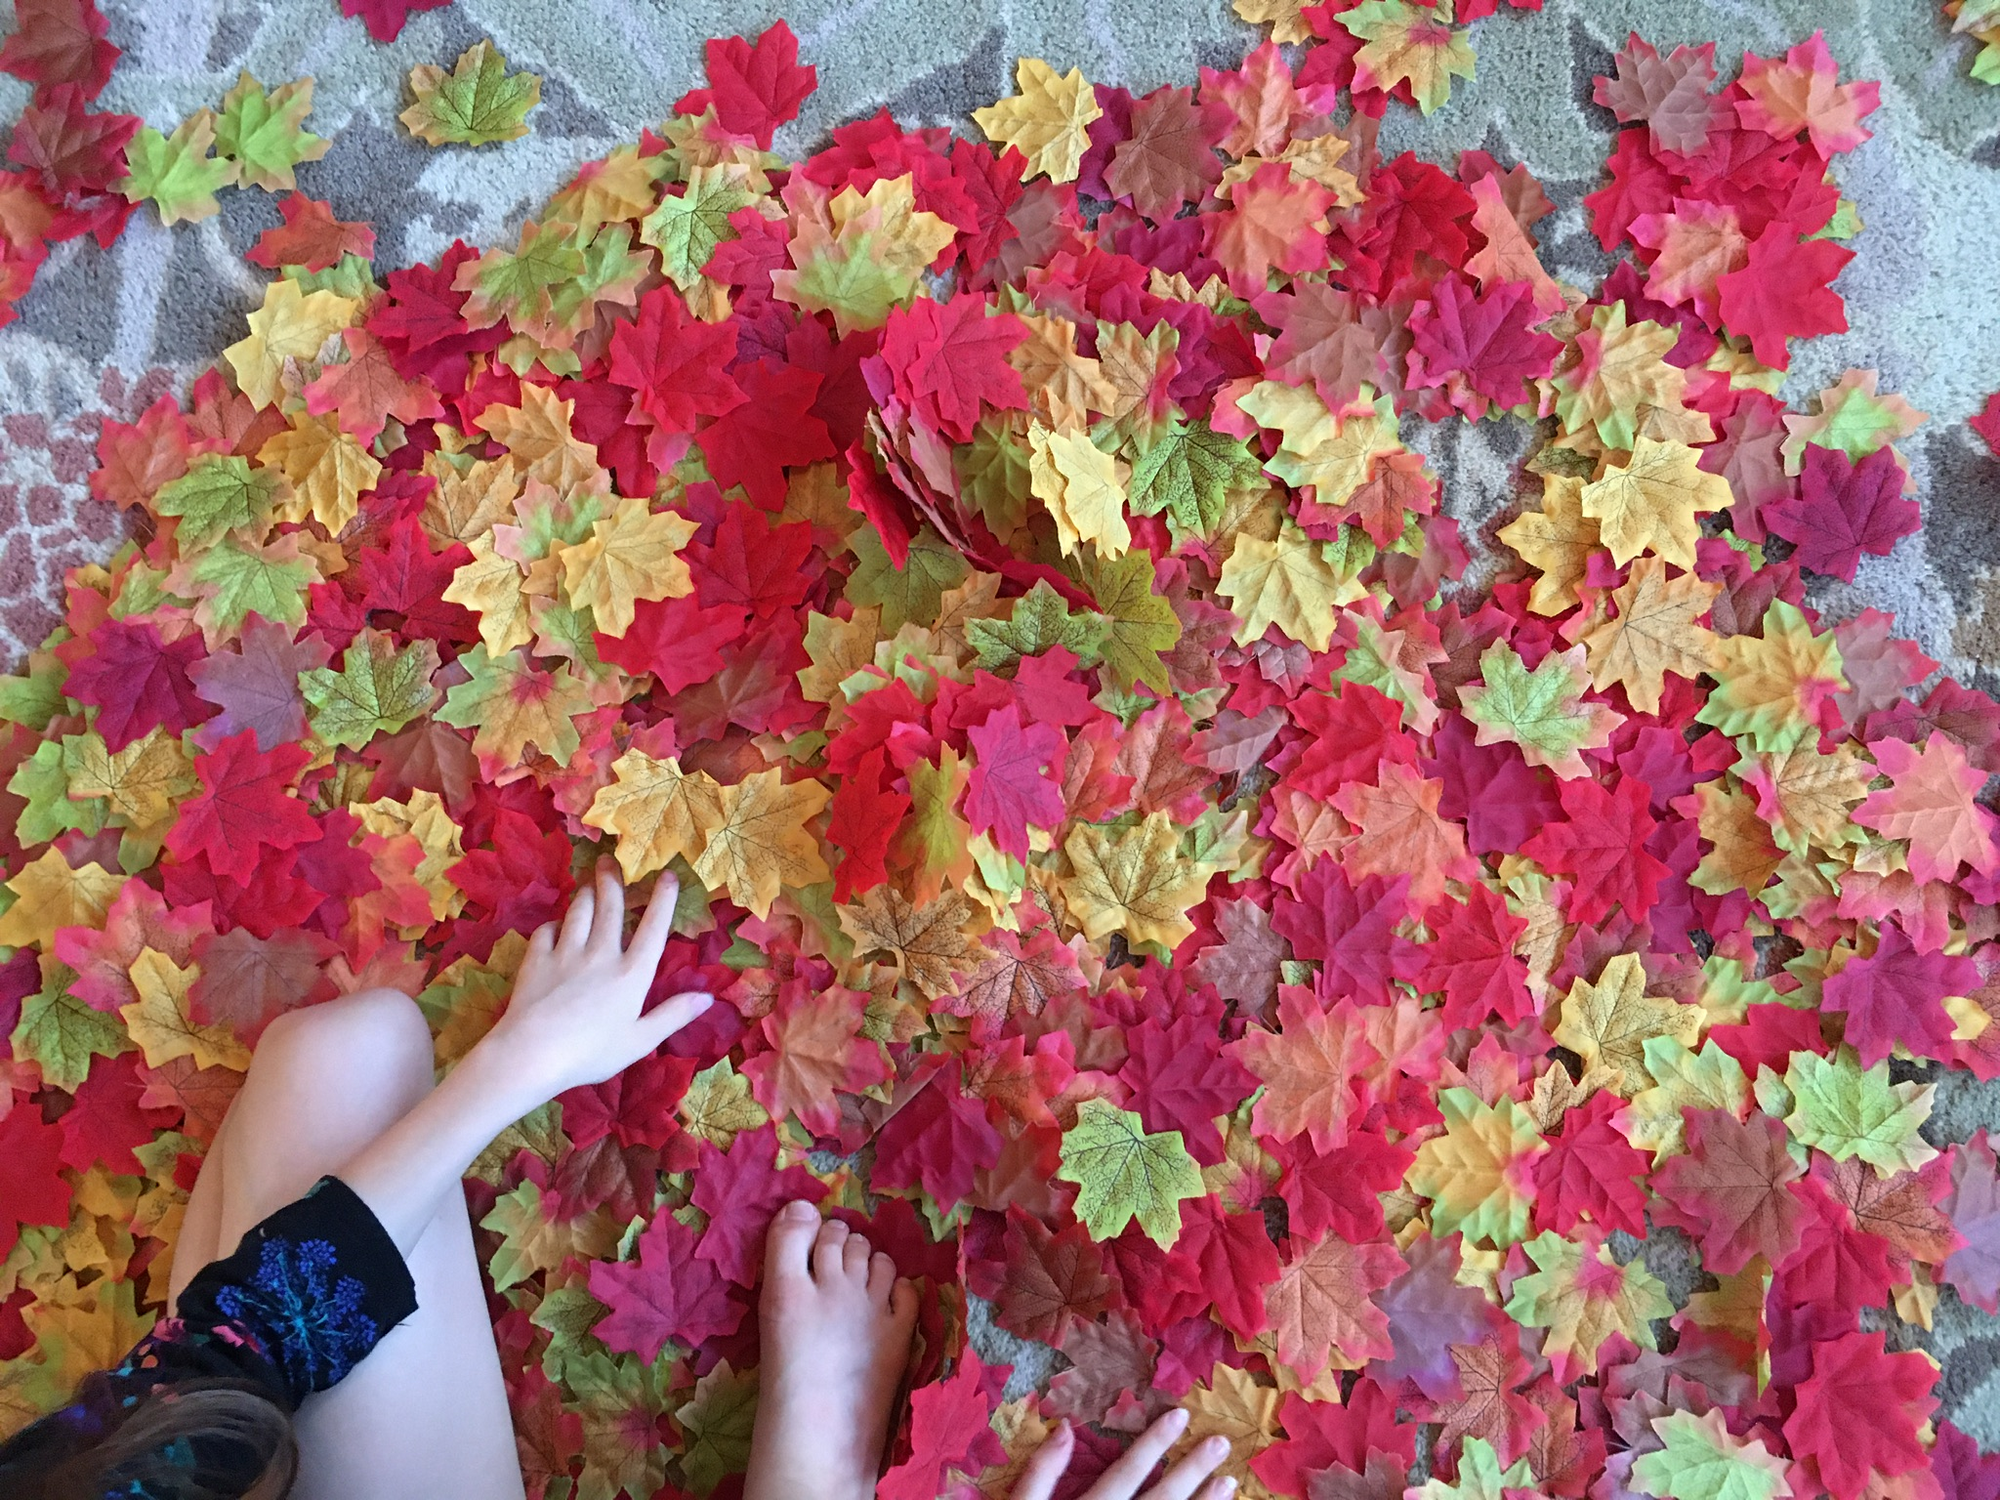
196, 1438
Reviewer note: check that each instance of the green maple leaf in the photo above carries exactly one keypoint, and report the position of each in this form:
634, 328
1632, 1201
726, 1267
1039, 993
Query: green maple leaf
611, 270
60, 1034
176, 173
1703, 1461
43, 782
476, 104
378, 690
217, 494
32, 700
993, 475
1541, 711
240, 579
914, 591
1582, 1298
687, 226
1125, 1174
524, 280
717, 1423
1041, 619
265, 134
1480, 1476
856, 279
1188, 471
1846, 1110
1140, 625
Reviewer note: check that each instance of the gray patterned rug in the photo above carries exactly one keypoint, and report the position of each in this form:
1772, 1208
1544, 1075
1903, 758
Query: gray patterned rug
104, 333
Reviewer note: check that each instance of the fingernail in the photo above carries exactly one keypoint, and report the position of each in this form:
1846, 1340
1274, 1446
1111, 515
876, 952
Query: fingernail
799, 1209
1228, 1488
1177, 1420
702, 1003
1215, 1446
1062, 1432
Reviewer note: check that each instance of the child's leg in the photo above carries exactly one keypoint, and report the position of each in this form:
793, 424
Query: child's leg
425, 1414
835, 1325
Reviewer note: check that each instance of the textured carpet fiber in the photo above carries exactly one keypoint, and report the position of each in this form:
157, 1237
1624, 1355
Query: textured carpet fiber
104, 333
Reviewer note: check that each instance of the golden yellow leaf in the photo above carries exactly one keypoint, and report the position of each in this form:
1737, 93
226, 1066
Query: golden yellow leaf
1608, 1022
465, 505
536, 434
1291, 582
493, 587
1062, 384
1234, 1407
719, 1105
1558, 539
1135, 882
656, 809
838, 648
1654, 633
1080, 484
1048, 119
928, 942
1282, 16
424, 819
327, 467
1806, 797
1651, 504
632, 554
49, 894
161, 1024
291, 325
140, 784
759, 841
1333, 452
1743, 855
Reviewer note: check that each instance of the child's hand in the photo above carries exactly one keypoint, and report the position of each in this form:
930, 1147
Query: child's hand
574, 1016
1122, 1480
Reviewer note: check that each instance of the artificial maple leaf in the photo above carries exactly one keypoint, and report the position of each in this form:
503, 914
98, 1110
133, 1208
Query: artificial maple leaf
753, 87
58, 42
1124, 1174
1083, 489
512, 704
1850, 1111
310, 237
1650, 504
1398, 828
816, 1050
1480, 341
137, 682
1700, 1457
1589, 1170
658, 811
1292, 582
1319, 1304
1929, 802
1488, 1413
1478, 1173
1730, 1190
1582, 1298
1668, 94
263, 132
1133, 882
950, 361
1407, 43
1799, 95
176, 173
1655, 632
378, 690
1541, 711
1895, 996
243, 807
1783, 292
1858, 1414
1609, 1022
1601, 841
1557, 540
1168, 158
632, 554
759, 841
385, 18
1844, 509
1046, 120
476, 104
1307, 1067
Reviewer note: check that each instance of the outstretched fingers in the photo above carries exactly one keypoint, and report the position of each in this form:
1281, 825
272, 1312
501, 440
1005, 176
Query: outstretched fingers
1038, 1478
607, 931
649, 940
1122, 1480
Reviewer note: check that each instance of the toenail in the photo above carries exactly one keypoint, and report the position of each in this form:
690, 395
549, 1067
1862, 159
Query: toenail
799, 1209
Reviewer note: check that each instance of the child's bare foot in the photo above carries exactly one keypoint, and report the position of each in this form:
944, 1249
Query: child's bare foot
835, 1322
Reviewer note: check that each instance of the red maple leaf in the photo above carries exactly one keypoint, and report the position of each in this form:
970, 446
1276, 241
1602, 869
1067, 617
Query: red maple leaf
1235, 1261
136, 681
1490, 1374
246, 981
60, 41
1047, 1280
1322, 1434
1181, 1079
1348, 735
310, 236
1844, 509
937, 1141
1601, 840
774, 429
1858, 1414
256, 686
754, 88
1591, 1172
1471, 960
949, 361
635, 1108
816, 1053
1350, 928
1896, 994
1168, 158
739, 1191
1481, 342
1499, 797
243, 807
1987, 423
667, 1291
367, 389
109, 1118
1784, 292
677, 366
950, 1428
1732, 1190
518, 884
385, 18
1334, 1191
1013, 779
862, 823
32, 1190
680, 641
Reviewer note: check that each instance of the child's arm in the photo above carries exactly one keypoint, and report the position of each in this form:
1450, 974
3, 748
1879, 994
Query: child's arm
573, 1019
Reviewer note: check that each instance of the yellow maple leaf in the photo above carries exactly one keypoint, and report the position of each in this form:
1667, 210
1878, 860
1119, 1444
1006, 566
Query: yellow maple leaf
1235, 1408
161, 1024
1653, 633
424, 819
1062, 384
1080, 484
1282, 16
656, 809
140, 784
467, 503
1479, 1175
1743, 855
48, 894
1807, 797
1333, 452
759, 842
928, 942
327, 467
1607, 1023
838, 648
623, 185
1770, 685
1623, 372
492, 585
1048, 119
632, 554
1558, 539
1650, 504
1292, 582
537, 436
291, 325
1135, 882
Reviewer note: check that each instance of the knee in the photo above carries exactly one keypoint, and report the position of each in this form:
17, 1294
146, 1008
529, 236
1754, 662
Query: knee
377, 1037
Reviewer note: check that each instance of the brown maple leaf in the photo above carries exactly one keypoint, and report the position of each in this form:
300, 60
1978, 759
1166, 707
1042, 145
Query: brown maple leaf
928, 942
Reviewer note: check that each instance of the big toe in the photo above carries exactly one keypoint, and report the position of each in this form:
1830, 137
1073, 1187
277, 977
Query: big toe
788, 1243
